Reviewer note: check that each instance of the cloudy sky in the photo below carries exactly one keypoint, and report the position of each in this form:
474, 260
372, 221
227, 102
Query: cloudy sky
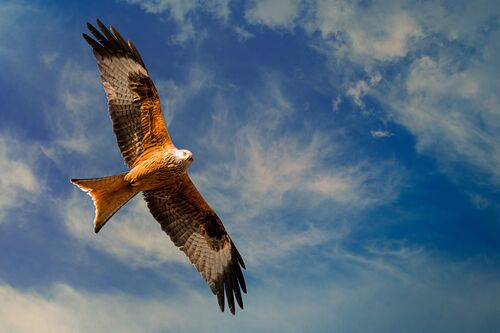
352, 149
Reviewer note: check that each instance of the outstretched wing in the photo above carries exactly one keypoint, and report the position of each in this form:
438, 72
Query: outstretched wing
133, 102
195, 228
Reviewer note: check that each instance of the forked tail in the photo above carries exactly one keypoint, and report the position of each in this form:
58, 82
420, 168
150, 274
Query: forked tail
109, 195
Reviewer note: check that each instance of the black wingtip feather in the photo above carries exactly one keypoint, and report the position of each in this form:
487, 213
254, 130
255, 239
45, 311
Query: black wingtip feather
119, 37
228, 285
227, 281
110, 37
241, 279
111, 42
238, 255
237, 292
220, 297
95, 45
135, 53
101, 26
98, 35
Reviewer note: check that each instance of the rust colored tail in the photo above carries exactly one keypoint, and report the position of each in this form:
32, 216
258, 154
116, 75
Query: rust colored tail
109, 195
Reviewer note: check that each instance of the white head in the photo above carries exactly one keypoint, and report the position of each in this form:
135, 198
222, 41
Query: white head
184, 156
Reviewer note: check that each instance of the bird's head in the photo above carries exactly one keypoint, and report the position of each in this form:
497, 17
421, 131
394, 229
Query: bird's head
184, 156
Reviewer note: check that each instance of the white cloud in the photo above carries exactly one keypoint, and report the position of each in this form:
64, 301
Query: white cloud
384, 33
452, 112
19, 181
242, 33
273, 13
62, 308
446, 101
390, 42
181, 12
426, 75
132, 235
267, 169
361, 88
384, 290
262, 164
443, 93
459, 22
69, 85
380, 134
336, 103
77, 121
358, 91
268, 172
80, 94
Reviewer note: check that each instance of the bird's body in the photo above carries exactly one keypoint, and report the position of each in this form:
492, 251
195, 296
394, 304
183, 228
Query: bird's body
157, 169
160, 168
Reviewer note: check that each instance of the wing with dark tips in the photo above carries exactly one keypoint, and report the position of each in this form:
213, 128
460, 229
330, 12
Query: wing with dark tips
133, 102
195, 228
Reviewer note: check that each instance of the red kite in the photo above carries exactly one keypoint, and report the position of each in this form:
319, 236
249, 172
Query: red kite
157, 169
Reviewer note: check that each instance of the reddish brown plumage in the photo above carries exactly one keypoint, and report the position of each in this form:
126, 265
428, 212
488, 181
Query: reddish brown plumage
109, 194
157, 169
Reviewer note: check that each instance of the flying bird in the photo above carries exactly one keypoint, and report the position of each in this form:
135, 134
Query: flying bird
157, 169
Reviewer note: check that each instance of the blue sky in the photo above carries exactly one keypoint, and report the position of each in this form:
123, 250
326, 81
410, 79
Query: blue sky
351, 149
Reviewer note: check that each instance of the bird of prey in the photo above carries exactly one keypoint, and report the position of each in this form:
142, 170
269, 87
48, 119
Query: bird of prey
157, 169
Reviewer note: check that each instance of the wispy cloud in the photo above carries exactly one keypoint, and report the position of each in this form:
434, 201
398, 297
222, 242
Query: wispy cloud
19, 181
275, 14
62, 308
68, 83
384, 34
361, 88
452, 112
262, 169
80, 94
434, 92
418, 300
378, 134
446, 98
132, 236
242, 33
183, 13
